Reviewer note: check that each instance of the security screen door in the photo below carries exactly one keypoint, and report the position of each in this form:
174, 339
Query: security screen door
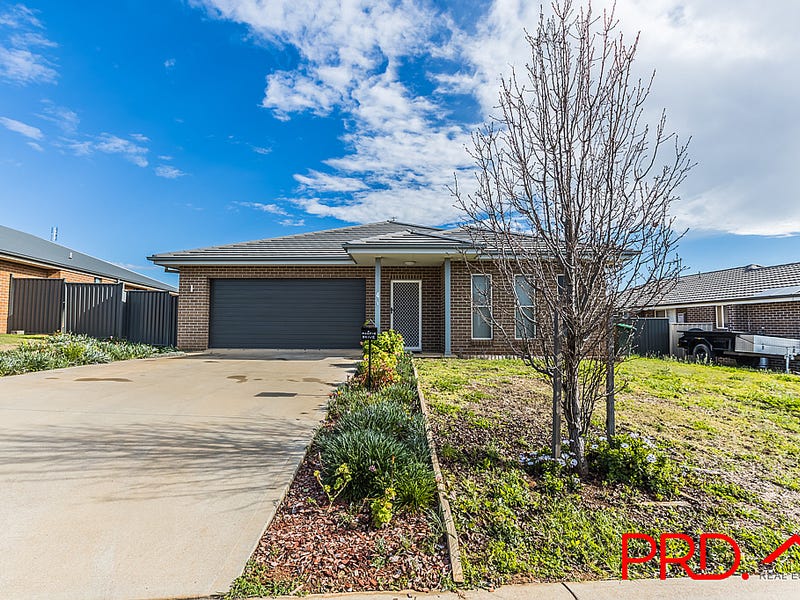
407, 312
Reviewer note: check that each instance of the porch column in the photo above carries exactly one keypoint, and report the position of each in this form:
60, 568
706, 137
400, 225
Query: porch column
378, 293
447, 325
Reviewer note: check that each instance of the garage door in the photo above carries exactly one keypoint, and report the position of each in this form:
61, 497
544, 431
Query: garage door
286, 313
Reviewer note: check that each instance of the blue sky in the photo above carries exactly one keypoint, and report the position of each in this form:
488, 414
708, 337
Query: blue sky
145, 126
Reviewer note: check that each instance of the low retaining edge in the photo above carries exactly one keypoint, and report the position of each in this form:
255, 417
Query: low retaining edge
444, 503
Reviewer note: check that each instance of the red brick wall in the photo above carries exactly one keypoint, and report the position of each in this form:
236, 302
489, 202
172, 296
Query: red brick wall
503, 308
700, 314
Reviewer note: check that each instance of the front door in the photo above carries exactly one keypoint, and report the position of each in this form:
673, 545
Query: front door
407, 312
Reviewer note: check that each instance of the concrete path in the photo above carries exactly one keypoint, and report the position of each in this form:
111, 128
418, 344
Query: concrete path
152, 478
647, 589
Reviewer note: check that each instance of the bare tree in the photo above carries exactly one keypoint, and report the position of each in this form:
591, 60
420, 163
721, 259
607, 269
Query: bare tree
573, 200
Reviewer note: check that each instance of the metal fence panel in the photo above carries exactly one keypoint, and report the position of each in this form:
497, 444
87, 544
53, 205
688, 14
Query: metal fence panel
94, 309
151, 318
649, 337
36, 305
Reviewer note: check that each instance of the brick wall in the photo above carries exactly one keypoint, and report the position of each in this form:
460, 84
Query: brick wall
503, 309
700, 314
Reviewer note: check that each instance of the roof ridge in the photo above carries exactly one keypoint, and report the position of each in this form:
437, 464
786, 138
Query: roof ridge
741, 268
73, 251
297, 235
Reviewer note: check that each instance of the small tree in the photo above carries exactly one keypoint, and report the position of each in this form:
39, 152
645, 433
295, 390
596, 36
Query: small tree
573, 201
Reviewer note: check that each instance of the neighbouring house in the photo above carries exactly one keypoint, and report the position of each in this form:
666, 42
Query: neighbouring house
754, 298
315, 290
25, 256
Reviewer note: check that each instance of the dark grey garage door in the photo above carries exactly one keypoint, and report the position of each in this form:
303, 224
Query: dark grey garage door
286, 313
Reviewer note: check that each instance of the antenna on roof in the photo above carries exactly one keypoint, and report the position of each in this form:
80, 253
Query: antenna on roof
393, 219
53, 234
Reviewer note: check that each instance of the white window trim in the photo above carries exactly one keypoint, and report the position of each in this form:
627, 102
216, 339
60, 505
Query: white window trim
391, 305
473, 306
518, 306
719, 316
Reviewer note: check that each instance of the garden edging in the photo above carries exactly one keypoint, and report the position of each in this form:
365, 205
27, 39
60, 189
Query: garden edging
450, 526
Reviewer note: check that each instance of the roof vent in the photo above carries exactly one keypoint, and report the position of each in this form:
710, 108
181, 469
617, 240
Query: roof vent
753, 267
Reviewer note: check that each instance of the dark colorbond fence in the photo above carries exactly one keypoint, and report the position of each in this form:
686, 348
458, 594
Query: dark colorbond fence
100, 310
649, 337
35, 305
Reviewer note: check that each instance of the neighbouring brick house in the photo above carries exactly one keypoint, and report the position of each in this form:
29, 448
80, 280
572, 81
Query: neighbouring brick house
755, 299
751, 299
23, 255
315, 290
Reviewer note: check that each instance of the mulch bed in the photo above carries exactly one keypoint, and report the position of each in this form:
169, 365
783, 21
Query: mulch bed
309, 548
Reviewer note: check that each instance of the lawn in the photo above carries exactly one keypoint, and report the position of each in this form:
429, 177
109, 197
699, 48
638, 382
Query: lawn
730, 438
9, 341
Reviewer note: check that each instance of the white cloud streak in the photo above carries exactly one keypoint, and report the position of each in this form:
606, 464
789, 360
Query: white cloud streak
725, 74
23, 46
168, 172
29, 131
269, 208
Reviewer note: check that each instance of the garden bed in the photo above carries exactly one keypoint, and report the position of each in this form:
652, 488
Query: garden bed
728, 440
67, 350
361, 513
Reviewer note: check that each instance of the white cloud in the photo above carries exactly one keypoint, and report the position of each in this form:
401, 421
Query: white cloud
726, 75
164, 157
108, 143
35, 146
267, 208
29, 131
140, 137
22, 48
168, 172
170, 63
130, 150
65, 119
292, 222
261, 150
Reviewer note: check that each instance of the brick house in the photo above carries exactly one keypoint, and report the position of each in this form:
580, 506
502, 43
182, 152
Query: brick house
755, 299
23, 255
315, 290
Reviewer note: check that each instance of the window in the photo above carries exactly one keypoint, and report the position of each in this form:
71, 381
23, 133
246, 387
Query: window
660, 314
481, 307
720, 317
98, 280
525, 321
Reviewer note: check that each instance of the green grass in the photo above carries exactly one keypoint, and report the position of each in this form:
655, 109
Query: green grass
733, 433
7, 339
65, 350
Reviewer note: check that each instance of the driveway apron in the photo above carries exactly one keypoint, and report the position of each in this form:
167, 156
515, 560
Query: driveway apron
151, 478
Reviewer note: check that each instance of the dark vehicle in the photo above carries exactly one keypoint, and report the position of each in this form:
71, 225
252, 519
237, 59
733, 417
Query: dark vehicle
746, 348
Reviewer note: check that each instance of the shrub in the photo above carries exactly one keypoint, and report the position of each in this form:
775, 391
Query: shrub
415, 486
373, 457
637, 462
390, 342
386, 416
67, 350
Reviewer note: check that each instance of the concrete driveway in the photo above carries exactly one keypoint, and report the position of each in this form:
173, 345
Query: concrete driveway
151, 478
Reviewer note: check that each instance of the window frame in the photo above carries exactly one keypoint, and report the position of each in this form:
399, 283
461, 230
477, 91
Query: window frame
719, 317
518, 306
473, 306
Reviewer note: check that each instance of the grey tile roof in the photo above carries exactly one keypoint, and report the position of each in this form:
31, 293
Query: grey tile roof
24, 246
740, 283
315, 246
409, 238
